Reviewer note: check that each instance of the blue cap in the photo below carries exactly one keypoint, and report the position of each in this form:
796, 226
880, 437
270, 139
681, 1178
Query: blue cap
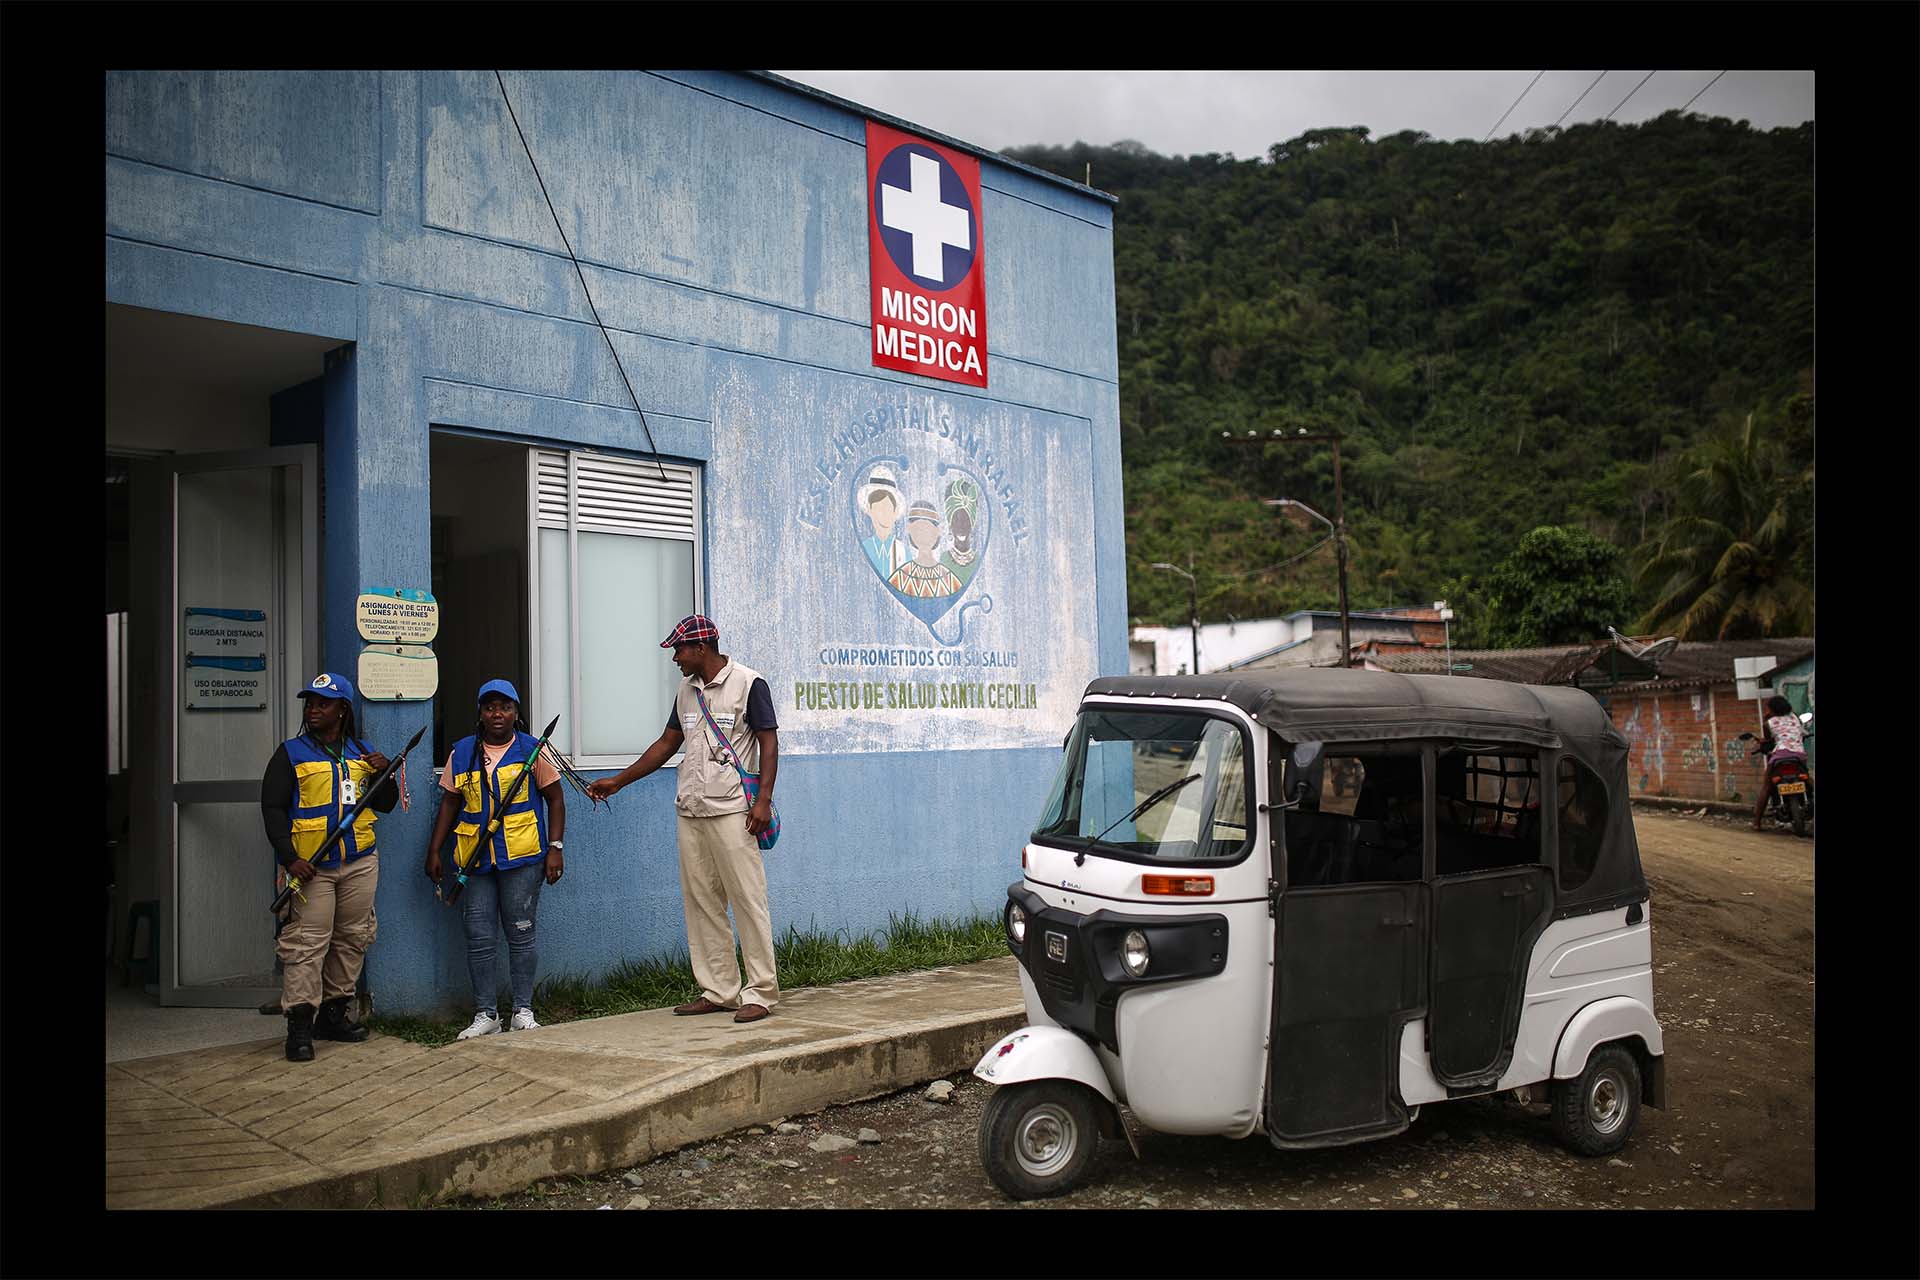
502, 687
327, 684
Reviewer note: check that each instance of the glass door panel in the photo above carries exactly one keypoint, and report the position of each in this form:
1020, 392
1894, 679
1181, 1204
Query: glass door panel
245, 586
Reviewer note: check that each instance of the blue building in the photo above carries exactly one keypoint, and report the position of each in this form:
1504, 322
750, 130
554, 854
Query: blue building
349, 355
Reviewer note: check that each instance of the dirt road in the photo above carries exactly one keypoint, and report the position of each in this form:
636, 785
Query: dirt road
1733, 947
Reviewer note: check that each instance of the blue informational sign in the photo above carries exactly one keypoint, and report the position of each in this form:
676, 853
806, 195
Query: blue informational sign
226, 659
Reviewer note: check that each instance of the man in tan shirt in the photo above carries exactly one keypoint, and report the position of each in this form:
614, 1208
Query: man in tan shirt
720, 863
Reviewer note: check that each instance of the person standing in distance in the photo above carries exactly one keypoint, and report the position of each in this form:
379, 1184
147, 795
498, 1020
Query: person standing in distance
310, 783
720, 864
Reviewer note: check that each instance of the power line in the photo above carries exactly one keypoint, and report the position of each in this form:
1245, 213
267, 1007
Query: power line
1583, 93
1516, 102
1623, 101
1696, 97
583, 278
1248, 573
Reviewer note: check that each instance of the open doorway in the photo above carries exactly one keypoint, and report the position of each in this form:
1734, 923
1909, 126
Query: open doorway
479, 510
212, 518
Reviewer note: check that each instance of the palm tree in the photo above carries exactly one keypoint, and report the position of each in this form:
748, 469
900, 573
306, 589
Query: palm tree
1724, 559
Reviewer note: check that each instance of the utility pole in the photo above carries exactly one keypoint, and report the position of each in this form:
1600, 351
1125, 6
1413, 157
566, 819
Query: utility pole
1338, 524
1193, 607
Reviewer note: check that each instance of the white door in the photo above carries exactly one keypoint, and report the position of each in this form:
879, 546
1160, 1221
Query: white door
245, 623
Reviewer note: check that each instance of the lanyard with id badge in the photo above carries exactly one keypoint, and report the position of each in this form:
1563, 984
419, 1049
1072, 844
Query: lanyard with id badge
349, 787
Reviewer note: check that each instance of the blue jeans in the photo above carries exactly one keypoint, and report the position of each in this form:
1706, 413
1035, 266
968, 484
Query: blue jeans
506, 900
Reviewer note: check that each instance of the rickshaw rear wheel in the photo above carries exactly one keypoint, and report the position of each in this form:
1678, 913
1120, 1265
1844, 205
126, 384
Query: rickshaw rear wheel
1039, 1138
1594, 1113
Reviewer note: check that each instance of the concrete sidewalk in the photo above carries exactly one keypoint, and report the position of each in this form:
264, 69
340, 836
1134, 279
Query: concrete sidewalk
391, 1123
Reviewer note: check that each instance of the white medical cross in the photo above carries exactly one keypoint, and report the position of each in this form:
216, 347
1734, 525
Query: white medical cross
922, 214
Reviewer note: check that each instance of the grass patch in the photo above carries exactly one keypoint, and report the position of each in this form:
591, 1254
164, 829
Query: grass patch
811, 959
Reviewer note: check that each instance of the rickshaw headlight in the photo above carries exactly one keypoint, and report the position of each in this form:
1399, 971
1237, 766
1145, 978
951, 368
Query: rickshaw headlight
1016, 924
1133, 953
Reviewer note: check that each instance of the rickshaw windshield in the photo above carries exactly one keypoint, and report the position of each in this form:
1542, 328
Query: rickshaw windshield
1119, 760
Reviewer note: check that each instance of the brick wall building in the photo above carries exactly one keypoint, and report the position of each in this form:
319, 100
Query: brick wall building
1682, 718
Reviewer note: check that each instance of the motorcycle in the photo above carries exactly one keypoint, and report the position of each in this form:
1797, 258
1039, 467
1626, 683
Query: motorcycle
1791, 804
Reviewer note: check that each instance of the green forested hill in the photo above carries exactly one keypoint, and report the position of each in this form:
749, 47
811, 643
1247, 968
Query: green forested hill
1525, 332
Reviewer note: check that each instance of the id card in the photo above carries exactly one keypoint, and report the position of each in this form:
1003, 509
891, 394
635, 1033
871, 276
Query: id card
349, 791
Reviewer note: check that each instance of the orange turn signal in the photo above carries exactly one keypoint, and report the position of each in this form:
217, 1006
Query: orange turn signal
1178, 886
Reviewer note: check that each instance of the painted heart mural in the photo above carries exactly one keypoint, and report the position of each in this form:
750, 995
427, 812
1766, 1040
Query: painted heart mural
924, 534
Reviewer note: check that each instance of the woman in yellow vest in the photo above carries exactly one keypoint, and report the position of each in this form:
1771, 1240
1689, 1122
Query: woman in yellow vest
505, 872
309, 785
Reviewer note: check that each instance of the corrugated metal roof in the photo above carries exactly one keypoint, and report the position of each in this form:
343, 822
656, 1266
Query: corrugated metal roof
1711, 661
1691, 662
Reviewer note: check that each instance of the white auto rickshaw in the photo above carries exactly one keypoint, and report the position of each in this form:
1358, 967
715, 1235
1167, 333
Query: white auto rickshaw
1308, 902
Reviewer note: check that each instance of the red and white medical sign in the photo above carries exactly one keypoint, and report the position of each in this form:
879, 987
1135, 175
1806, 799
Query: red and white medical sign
929, 274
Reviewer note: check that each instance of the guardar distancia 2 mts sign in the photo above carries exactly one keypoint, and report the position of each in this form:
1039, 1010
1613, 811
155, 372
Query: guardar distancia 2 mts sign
925, 242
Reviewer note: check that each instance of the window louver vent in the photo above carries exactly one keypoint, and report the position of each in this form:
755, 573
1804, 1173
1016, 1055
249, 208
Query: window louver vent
614, 495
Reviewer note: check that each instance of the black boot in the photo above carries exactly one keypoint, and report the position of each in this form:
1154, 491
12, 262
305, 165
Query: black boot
334, 1023
300, 1033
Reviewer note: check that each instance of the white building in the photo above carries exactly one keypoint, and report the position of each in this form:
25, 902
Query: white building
1307, 637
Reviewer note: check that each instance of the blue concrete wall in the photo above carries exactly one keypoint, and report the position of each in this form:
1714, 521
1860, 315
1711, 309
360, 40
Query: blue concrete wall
721, 221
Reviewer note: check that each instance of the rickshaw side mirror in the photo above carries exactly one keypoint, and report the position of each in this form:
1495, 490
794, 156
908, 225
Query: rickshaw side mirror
1304, 754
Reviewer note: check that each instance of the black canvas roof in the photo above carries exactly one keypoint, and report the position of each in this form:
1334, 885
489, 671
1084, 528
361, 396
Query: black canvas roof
1331, 704
1303, 703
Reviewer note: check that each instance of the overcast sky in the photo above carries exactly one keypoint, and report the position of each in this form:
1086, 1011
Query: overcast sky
1245, 112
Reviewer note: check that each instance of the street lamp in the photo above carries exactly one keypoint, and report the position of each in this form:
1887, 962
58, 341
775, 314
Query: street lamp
1193, 606
1340, 551
1338, 524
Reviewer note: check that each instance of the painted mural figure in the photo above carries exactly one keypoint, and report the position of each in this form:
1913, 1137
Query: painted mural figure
880, 499
962, 557
923, 577
924, 540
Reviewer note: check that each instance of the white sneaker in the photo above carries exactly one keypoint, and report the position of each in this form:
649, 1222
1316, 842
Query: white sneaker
484, 1024
523, 1020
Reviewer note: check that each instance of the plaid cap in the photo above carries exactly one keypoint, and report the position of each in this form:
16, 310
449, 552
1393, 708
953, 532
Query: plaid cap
694, 627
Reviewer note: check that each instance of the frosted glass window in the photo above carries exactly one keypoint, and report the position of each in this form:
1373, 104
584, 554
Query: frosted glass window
617, 563
632, 591
555, 644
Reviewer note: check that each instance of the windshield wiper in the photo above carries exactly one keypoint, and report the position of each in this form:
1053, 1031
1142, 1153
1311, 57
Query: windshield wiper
1080, 858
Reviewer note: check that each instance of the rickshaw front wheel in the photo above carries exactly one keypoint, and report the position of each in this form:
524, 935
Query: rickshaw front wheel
1594, 1113
1039, 1138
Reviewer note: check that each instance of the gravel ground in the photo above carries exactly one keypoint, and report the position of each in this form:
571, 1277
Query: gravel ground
1733, 950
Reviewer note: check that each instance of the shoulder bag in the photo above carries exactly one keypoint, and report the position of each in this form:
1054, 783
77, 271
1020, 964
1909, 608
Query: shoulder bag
749, 782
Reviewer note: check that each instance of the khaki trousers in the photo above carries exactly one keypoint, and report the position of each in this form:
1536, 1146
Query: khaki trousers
323, 946
720, 866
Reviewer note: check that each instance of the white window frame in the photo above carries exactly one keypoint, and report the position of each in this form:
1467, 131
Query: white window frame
567, 736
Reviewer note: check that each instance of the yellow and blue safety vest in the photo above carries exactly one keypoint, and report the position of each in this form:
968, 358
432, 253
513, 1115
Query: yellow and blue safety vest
318, 805
522, 835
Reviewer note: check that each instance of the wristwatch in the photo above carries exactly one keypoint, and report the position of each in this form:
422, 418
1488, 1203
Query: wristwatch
556, 844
